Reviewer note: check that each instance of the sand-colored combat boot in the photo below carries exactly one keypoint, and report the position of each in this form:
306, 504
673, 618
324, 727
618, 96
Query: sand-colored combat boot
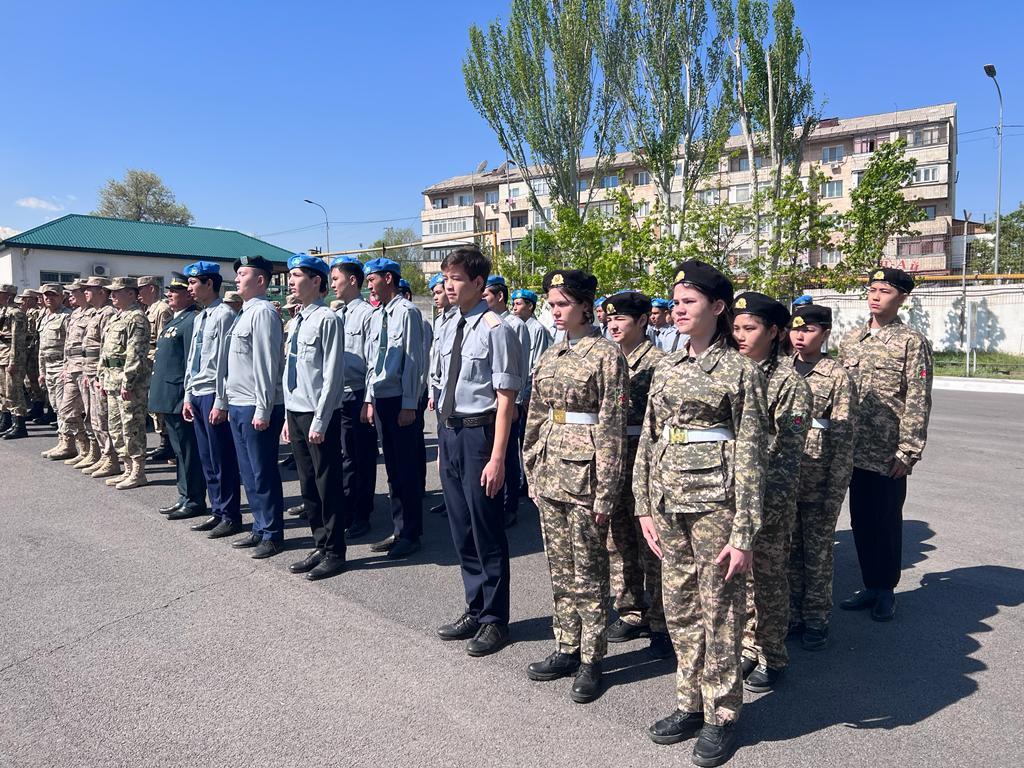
136, 478
109, 467
63, 446
126, 469
90, 461
82, 446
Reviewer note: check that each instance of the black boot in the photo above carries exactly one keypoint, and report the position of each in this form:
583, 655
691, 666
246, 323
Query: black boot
5, 421
36, 413
163, 452
587, 686
714, 745
17, 429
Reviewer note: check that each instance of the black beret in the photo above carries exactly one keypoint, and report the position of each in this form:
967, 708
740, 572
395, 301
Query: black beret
705, 279
573, 279
808, 314
256, 262
754, 303
632, 303
897, 278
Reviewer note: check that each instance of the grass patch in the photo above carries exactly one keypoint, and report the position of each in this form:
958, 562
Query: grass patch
991, 365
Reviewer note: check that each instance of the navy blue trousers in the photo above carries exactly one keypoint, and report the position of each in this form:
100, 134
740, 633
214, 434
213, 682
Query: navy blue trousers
359, 459
217, 455
257, 463
513, 471
402, 449
477, 522
188, 472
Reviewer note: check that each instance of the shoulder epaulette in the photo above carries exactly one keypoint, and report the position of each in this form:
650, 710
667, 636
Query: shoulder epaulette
492, 319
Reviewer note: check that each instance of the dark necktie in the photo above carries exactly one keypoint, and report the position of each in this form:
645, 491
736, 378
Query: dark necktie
293, 353
197, 355
454, 368
382, 344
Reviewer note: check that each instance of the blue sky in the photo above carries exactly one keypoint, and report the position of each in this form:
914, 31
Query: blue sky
246, 108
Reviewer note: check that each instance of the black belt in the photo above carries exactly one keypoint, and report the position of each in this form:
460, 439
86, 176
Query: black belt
455, 422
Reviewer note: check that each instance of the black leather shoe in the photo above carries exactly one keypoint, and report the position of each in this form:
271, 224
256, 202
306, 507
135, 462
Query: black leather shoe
815, 637
860, 600
224, 528
330, 565
266, 548
677, 727
167, 510
288, 462
251, 540
439, 509
490, 638
587, 685
357, 530
462, 628
161, 453
299, 510
383, 545
184, 513
308, 563
714, 745
622, 631
885, 606
207, 525
762, 679
403, 548
747, 666
554, 666
511, 520
661, 646
5, 422
17, 431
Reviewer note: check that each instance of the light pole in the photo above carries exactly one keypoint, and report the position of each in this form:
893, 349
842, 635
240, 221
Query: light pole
327, 222
963, 288
990, 70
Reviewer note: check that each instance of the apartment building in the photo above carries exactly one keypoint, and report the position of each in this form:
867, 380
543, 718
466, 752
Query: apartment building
498, 200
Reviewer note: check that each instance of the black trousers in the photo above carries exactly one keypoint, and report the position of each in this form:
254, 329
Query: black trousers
477, 522
421, 446
319, 469
403, 447
359, 459
876, 514
189, 470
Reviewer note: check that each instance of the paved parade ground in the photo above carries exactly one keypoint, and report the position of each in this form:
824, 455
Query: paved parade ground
128, 640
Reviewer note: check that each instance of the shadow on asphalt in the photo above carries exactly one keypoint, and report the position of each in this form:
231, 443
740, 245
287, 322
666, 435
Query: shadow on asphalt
891, 675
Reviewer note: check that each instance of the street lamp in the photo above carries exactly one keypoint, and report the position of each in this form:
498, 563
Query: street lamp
327, 223
990, 70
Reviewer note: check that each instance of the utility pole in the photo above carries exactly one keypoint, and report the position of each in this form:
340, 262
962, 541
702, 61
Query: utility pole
327, 223
990, 70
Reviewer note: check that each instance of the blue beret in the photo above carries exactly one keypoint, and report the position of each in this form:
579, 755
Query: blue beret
202, 269
347, 260
661, 303
600, 301
383, 265
801, 300
310, 262
525, 293
404, 284
435, 281
496, 280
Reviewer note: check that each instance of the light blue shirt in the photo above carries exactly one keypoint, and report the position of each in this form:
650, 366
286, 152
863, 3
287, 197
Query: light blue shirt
357, 315
215, 322
319, 361
401, 369
540, 340
255, 359
435, 351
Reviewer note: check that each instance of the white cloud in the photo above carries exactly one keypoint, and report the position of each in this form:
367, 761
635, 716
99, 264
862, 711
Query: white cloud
6, 232
39, 203
72, 198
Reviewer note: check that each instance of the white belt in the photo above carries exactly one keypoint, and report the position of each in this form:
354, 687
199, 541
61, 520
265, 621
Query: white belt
634, 431
820, 423
682, 435
559, 416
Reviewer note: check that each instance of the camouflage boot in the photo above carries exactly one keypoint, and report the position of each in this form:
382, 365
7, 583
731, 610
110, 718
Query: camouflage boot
63, 446
136, 478
109, 467
91, 458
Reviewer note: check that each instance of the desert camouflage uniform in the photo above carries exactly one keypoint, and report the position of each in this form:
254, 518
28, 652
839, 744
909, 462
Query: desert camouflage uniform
75, 402
53, 327
33, 391
892, 373
789, 417
92, 386
158, 314
13, 351
701, 497
635, 570
824, 477
124, 364
574, 472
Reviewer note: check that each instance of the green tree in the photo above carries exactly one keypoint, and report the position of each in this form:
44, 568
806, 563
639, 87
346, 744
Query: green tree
879, 211
537, 85
410, 257
141, 196
1011, 246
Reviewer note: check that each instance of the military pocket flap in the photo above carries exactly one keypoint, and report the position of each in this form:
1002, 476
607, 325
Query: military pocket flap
697, 455
575, 443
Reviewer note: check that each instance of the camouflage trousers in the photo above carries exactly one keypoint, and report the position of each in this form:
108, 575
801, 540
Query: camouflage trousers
704, 613
12, 392
33, 391
578, 563
96, 414
158, 422
811, 563
71, 410
635, 570
55, 390
127, 423
767, 615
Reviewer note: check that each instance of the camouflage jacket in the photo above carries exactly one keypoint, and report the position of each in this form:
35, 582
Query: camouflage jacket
642, 361
892, 373
578, 463
92, 342
74, 349
124, 361
53, 331
789, 417
828, 452
158, 314
718, 389
33, 316
13, 336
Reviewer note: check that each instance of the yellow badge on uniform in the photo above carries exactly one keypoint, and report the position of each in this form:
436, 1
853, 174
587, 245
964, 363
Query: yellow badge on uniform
610, 309
557, 279
741, 303
492, 320
680, 276
798, 322
879, 275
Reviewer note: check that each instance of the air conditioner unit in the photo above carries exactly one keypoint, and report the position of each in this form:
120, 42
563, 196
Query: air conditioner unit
494, 206
100, 270
836, 167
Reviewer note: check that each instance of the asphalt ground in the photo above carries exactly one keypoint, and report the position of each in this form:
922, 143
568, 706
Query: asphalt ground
128, 640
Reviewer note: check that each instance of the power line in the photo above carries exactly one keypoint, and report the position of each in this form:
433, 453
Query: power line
342, 223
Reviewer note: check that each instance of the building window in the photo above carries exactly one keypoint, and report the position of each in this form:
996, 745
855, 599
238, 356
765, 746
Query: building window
448, 226
48, 276
928, 174
831, 257
491, 197
465, 200
583, 185
857, 176
832, 154
513, 193
539, 221
437, 254
739, 194
643, 208
641, 178
922, 246
440, 202
604, 207
742, 163
679, 169
864, 144
491, 225
926, 136
707, 196
610, 181
832, 189
518, 220
929, 212
541, 187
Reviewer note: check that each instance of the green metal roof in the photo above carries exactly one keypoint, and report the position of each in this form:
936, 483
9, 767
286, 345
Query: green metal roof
76, 232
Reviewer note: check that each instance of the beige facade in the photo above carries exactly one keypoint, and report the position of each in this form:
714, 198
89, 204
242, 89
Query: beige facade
499, 200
